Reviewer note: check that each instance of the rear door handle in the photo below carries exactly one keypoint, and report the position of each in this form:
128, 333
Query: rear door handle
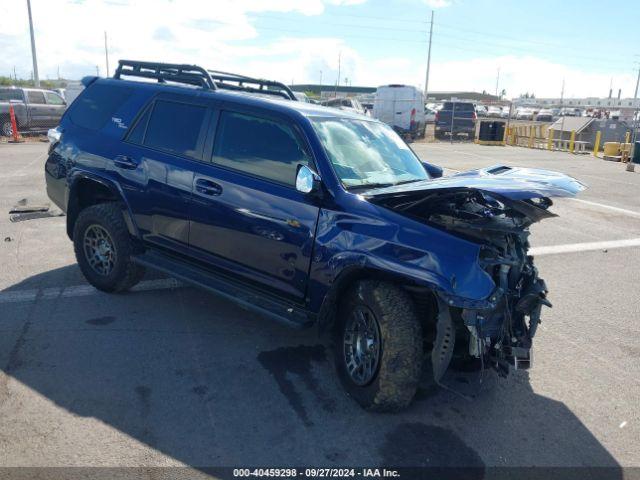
208, 187
125, 162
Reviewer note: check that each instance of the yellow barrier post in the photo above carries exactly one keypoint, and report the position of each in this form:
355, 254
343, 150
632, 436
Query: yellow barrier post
505, 136
596, 145
572, 141
627, 137
550, 140
531, 132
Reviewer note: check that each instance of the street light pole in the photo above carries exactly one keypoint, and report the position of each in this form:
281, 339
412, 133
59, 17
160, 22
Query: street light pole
635, 117
36, 77
426, 80
106, 52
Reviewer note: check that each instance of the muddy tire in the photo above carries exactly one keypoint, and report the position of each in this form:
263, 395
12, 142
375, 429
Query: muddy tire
103, 248
378, 319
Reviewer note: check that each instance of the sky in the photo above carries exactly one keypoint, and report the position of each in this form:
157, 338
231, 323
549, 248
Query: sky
535, 45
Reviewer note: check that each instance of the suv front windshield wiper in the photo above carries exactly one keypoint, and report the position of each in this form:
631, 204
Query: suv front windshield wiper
370, 186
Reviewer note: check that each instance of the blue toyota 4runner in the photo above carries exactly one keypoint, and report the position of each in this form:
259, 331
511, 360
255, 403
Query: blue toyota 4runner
306, 214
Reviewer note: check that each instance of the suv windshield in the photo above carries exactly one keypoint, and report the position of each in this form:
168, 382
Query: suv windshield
367, 154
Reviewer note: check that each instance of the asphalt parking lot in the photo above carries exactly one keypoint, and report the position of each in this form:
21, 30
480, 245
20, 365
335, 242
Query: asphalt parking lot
172, 376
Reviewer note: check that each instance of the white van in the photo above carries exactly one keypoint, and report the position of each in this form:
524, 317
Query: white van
402, 107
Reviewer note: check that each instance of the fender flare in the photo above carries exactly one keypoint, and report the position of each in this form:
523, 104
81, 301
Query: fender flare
116, 190
360, 270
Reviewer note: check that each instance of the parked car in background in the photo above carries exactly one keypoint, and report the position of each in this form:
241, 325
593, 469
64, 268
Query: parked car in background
494, 111
506, 112
35, 109
570, 112
545, 115
301, 97
456, 119
345, 103
481, 111
310, 216
524, 113
429, 115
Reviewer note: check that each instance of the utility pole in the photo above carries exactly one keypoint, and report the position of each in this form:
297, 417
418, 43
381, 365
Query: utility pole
636, 109
97, 71
497, 81
426, 80
320, 83
36, 78
562, 108
106, 52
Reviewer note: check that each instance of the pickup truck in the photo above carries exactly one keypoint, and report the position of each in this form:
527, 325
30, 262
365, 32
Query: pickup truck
35, 109
464, 119
307, 215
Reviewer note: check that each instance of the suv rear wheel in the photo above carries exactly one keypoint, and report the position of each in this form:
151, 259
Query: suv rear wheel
378, 346
103, 248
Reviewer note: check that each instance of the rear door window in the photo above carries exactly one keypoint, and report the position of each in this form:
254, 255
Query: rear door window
36, 97
258, 146
177, 128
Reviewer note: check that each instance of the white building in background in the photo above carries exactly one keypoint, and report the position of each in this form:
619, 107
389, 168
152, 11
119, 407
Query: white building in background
625, 107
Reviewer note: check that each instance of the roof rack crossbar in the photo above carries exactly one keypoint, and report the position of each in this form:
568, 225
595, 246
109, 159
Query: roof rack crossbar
163, 72
278, 88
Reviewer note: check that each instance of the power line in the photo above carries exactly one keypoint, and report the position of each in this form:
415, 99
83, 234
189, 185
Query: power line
349, 25
515, 48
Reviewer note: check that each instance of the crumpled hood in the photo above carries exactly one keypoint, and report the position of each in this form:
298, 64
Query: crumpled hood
514, 183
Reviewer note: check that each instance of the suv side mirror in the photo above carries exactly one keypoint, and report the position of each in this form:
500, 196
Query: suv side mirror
307, 181
434, 171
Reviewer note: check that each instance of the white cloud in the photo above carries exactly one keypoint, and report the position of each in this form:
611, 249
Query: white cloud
69, 34
221, 36
438, 3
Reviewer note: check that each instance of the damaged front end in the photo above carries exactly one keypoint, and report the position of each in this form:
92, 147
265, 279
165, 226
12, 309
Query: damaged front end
501, 327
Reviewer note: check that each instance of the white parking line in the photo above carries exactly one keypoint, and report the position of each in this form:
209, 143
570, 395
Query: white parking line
51, 293
606, 207
584, 247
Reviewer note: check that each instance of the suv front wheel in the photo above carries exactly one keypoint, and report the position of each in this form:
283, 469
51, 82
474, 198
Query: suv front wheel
378, 346
103, 248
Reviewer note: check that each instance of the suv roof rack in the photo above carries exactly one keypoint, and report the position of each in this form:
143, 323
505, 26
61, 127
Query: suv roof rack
163, 72
244, 83
198, 76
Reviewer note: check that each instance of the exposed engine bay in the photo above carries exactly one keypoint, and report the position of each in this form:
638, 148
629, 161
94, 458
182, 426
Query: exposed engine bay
500, 336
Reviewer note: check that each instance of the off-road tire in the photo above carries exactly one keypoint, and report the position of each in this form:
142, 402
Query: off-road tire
400, 363
125, 273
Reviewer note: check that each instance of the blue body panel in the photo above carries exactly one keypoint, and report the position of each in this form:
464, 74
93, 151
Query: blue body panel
271, 235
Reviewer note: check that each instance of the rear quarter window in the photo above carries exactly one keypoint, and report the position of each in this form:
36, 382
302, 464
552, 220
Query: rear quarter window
97, 104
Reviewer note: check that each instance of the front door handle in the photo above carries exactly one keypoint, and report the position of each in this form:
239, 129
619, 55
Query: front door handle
208, 187
125, 162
